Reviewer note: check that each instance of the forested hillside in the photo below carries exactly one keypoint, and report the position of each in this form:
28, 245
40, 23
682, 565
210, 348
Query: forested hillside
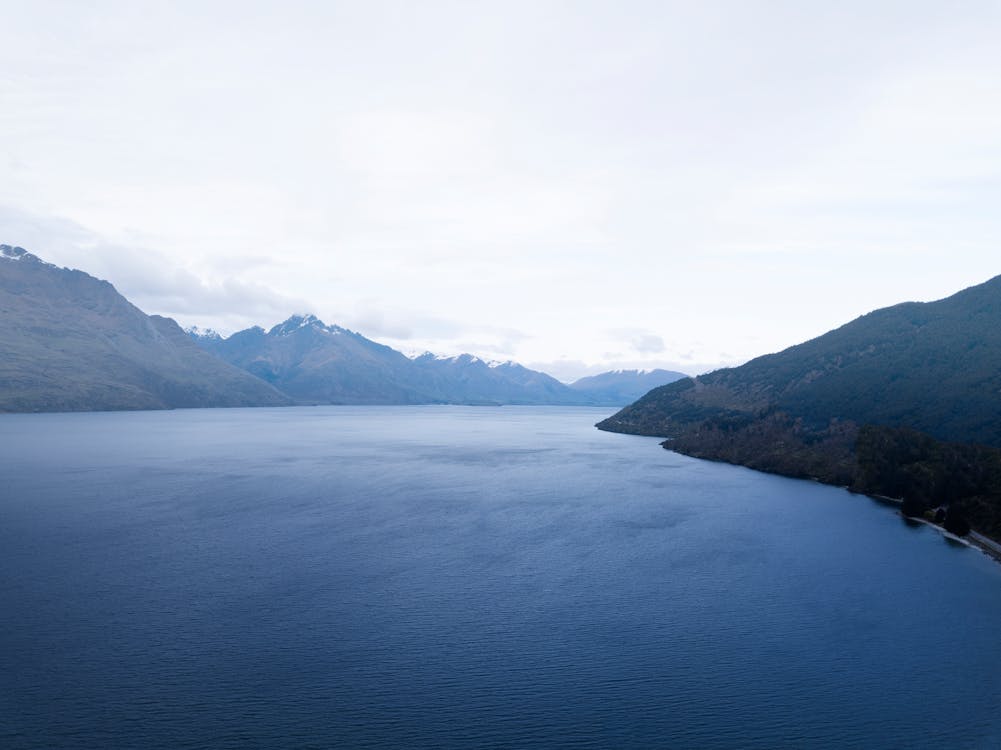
893, 402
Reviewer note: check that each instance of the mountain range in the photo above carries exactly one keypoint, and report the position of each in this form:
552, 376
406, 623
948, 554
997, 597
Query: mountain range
71, 342
620, 387
904, 401
315, 363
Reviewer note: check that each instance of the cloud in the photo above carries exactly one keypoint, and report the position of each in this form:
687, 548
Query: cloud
393, 145
666, 183
490, 341
151, 280
639, 340
374, 324
569, 370
417, 332
400, 325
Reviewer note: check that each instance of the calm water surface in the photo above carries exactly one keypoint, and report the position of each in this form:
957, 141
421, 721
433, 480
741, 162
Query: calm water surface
452, 577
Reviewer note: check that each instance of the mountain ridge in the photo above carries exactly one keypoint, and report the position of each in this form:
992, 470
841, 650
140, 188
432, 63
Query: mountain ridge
951, 348
620, 387
71, 342
318, 363
920, 381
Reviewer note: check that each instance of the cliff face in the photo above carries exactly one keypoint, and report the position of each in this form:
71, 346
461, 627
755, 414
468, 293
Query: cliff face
71, 342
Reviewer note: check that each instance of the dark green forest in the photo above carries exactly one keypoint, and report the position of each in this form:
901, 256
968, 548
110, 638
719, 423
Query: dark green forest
929, 474
903, 402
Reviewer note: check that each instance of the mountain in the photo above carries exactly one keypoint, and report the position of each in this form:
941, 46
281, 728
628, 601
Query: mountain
933, 367
469, 379
889, 403
621, 387
71, 342
319, 364
314, 363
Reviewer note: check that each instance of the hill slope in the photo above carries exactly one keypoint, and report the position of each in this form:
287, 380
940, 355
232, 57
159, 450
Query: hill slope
71, 342
889, 403
933, 367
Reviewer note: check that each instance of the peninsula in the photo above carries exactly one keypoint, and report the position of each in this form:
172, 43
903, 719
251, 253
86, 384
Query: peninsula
903, 402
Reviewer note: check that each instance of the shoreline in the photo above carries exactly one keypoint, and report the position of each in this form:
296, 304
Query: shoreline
986, 545
974, 539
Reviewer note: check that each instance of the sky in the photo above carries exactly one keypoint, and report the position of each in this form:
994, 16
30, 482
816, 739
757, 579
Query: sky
578, 186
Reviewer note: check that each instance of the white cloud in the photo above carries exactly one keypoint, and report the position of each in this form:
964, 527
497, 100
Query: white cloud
151, 280
639, 340
709, 180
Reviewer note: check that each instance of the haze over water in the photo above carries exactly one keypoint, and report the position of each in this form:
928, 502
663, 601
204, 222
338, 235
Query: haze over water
465, 577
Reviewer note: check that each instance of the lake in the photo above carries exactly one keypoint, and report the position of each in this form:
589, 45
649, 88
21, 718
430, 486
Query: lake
451, 577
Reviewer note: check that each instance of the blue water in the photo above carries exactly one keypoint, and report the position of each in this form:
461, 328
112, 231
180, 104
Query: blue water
450, 577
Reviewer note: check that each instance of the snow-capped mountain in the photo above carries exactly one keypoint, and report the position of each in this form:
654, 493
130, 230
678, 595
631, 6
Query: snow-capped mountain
318, 363
206, 333
469, 379
621, 387
72, 342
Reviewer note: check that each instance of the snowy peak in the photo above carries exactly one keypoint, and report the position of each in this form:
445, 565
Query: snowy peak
314, 364
452, 359
468, 359
202, 333
299, 322
15, 253
507, 363
643, 371
293, 324
7, 252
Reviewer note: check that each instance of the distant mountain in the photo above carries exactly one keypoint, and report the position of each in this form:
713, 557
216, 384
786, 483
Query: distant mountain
71, 342
314, 363
202, 333
469, 379
884, 404
621, 387
317, 363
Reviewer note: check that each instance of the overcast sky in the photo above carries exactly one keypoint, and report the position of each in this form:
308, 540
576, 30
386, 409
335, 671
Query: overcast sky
574, 185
